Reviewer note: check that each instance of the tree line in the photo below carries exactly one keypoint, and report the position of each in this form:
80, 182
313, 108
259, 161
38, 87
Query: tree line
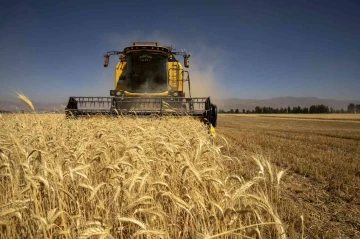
314, 109
352, 108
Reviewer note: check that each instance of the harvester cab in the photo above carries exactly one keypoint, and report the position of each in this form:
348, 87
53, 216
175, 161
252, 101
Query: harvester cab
149, 80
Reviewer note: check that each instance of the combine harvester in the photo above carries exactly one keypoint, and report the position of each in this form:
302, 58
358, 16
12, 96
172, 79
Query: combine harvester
149, 81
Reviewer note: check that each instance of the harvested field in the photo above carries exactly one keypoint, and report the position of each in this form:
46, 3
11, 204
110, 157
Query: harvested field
322, 158
131, 178
342, 117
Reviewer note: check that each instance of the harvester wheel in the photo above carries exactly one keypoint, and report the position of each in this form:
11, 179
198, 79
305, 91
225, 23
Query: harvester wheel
213, 115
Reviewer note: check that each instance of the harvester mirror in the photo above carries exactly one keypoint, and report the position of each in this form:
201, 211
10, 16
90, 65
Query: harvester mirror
122, 58
186, 61
106, 60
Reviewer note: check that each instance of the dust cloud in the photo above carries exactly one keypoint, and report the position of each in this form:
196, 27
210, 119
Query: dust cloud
205, 83
206, 67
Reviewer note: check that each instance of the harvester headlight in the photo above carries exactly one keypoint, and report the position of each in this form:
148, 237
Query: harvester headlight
118, 93
175, 94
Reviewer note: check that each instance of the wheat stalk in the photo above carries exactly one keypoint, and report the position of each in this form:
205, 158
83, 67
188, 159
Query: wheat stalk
26, 100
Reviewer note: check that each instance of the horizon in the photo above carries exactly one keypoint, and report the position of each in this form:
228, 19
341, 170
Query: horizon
223, 104
15, 99
239, 49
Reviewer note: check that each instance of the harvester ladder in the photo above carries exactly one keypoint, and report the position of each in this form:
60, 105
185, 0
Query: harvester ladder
174, 74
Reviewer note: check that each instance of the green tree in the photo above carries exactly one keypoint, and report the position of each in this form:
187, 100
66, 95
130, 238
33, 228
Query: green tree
295, 110
319, 109
351, 108
357, 108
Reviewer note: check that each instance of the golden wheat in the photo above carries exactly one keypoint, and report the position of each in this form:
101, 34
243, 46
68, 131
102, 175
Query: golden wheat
26, 100
128, 177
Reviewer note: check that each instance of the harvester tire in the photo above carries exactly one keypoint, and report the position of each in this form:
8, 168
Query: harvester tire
213, 115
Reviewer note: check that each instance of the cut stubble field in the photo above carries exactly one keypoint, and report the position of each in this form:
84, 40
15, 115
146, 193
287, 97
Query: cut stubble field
321, 154
338, 117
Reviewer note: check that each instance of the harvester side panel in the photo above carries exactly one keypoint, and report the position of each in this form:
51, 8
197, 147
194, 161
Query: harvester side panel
175, 76
120, 76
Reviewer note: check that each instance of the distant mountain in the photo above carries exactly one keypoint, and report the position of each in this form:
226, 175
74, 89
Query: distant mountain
249, 104
18, 105
225, 104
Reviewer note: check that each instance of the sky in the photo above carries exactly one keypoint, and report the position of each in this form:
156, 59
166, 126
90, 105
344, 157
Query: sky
249, 49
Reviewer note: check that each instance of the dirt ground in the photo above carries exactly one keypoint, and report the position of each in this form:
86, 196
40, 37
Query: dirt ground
322, 162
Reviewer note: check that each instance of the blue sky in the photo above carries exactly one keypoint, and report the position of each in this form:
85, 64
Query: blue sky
245, 49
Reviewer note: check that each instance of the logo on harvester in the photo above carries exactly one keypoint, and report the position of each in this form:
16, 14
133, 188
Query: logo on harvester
145, 58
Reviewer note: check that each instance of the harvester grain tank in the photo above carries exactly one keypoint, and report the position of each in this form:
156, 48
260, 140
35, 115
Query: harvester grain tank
149, 80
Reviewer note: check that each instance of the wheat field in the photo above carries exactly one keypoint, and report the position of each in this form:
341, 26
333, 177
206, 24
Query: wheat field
119, 177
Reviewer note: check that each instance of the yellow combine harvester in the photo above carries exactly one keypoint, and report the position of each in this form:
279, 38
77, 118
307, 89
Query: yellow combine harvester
149, 80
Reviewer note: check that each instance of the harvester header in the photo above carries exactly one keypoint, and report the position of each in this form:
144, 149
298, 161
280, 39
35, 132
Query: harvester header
149, 80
